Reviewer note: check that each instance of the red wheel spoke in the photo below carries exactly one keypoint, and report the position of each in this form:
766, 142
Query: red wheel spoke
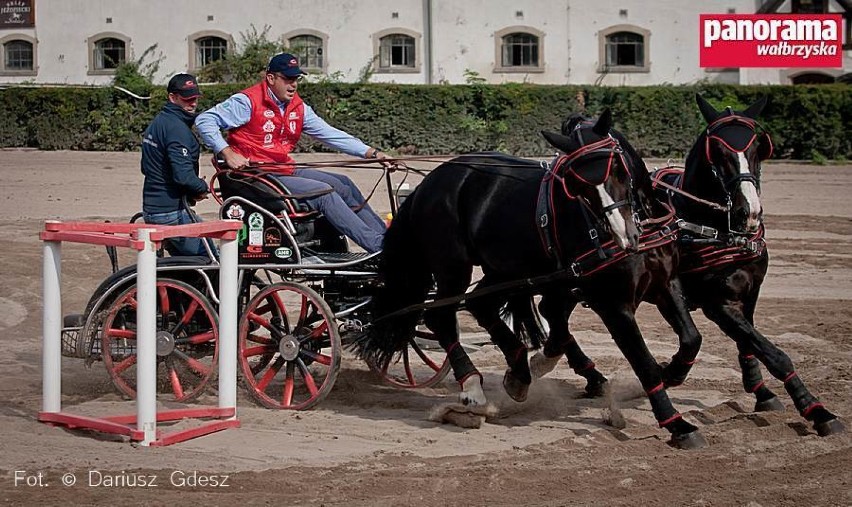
162, 291
407, 365
197, 339
303, 312
319, 331
273, 370
260, 321
426, 359
309, 379
187, 316
256, 351
131, 301
125, 364
196, 365
173, 377
121, 333
287, 395
259, 339
317, 357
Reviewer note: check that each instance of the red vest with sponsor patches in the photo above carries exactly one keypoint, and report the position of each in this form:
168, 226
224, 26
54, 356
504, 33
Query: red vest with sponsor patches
269, 136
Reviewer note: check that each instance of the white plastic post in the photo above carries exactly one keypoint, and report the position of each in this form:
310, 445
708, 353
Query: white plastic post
146, 339
52, 328
228, 325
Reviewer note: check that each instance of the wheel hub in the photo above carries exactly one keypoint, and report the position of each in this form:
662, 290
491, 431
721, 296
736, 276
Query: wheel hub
289, 347
165, 343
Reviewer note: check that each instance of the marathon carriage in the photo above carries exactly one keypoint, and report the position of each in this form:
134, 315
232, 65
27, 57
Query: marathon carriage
303, 296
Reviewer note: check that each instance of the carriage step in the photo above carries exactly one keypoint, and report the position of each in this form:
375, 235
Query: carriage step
354, 260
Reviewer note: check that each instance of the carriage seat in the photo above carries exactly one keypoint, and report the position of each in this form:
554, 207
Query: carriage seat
267, 192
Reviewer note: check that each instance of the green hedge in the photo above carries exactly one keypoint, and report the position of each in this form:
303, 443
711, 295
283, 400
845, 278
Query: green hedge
806, 122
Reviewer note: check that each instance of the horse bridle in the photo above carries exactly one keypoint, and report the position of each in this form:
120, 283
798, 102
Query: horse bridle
728, 184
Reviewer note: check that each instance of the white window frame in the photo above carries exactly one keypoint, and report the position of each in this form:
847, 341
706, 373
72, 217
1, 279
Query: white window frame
396, 69
93, 41
286, 42
500, 35
193, 62
604, 34
16, 37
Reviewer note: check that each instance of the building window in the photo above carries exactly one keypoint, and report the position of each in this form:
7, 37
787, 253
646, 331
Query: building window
396, 51
210, 49
106, 52
19, 55
109, 54
624, 48
309, 47
207, 47
810, 6
519, 49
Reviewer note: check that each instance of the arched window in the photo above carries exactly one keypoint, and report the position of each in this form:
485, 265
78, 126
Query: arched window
519, 49
210, 49
396, 50
106, 52
309, 50
109, 53
624, 48
18, 56
207, 47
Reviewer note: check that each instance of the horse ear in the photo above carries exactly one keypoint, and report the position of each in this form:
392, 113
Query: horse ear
604, 123
558, 141
707, 111
764, 147
755, 109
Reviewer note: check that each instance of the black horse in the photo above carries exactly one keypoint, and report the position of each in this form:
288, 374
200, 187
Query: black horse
724, 256
569, 228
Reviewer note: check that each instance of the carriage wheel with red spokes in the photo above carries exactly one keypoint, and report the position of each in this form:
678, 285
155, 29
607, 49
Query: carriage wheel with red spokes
289, 347
187, 341
422, 364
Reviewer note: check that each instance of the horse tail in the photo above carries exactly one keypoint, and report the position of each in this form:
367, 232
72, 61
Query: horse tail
526, 323
404, 280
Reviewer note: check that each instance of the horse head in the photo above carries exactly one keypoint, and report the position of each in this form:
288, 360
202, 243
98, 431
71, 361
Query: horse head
594, 171
724, 164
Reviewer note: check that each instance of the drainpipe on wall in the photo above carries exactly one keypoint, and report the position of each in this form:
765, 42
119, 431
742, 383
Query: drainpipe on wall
427, 39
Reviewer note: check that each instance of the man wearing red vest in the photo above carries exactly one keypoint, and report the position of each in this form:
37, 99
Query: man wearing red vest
265, 122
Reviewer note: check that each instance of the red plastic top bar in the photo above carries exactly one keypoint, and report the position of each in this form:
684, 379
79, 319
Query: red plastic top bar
92, 238
126, 235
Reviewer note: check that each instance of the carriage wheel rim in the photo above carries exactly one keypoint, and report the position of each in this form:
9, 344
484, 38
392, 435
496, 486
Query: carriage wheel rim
289, 347
183, 373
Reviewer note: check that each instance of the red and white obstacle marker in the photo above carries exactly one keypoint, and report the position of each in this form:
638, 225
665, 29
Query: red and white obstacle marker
144, 238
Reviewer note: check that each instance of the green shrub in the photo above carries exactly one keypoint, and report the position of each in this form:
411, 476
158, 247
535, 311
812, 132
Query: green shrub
806, 122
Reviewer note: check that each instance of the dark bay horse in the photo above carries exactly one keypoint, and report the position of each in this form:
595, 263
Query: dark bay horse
486, 210
724, 258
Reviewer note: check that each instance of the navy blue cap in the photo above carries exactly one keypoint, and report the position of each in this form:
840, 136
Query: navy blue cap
184, 85
285, 63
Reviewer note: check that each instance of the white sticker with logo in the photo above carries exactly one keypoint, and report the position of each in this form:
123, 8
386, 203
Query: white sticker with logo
269, 114
268, 126
293, 127
236, 212
255, 229
283, 253
267, 140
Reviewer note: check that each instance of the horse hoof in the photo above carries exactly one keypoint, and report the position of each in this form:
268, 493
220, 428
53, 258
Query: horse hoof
773, 404
595, 389
830, 427
516, 389
688, 441
541, 365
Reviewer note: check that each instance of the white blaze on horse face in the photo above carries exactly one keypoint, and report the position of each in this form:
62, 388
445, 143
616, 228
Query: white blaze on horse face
749, 192
616, 222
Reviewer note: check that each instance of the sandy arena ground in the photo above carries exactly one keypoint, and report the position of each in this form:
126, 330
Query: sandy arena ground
368, 444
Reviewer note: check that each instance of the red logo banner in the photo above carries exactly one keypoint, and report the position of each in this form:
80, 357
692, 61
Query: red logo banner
771, 40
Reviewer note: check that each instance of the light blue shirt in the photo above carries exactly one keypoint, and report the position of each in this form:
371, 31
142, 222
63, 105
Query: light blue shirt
236, 111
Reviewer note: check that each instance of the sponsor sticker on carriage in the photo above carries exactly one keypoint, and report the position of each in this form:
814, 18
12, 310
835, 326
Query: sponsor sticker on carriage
255, 222
771, 40
283, 252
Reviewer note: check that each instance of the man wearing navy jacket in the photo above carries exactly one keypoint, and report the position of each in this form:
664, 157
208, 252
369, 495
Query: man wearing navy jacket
170, 164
